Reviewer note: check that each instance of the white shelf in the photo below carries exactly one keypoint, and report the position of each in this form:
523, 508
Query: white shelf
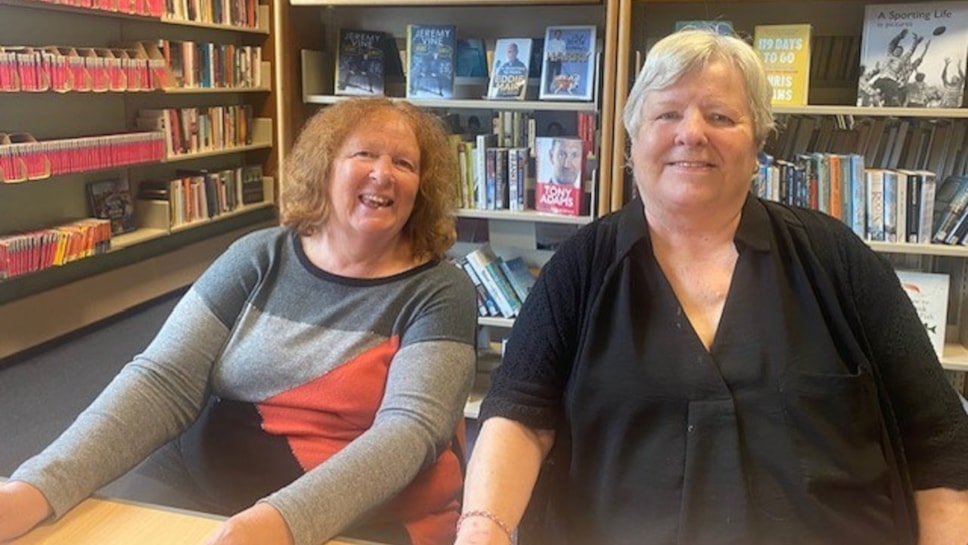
955, 357
493, 321
144, 234
862, 111
474, 104
919, 249
530, 216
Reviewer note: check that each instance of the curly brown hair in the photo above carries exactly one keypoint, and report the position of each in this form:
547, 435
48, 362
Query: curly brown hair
304, 205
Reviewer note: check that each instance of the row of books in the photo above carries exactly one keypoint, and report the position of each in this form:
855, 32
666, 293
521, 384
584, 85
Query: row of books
498, 169
878, 204
198, 129
24, 158
64, 69
209, 65
241, 13
150, 8
367, 59
27, 252
198, 195
919, 144
502, 285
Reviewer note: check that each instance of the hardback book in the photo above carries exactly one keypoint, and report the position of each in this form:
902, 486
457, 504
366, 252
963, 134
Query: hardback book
509, 77
568, 70
785, 50
111, 200
929, 294
913, 55
558, 175
471, 58
431, 56
360, 62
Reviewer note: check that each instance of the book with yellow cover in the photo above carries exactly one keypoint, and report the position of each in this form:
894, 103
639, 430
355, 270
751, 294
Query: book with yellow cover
785, 50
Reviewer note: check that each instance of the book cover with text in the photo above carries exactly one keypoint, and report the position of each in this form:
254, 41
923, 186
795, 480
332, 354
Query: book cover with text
568, 70
558, 175
360, 61
431, 59
929, 293
111, 200
785, 50
509, 77
913, 55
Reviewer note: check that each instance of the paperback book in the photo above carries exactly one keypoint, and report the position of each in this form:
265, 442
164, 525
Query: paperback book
558, 175
509, 77
360, 62
929, 293
568, 69
913, 55
431, 56
111, 200
785, 50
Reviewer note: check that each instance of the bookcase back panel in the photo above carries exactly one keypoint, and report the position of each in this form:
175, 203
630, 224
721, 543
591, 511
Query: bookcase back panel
48, 116
35, 27
481, 22
39, 203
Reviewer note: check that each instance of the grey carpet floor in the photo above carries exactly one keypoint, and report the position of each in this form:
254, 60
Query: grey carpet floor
43, 391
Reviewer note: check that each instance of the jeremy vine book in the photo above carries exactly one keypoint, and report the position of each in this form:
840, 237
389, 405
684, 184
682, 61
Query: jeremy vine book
913, 55
785, 50
360, 61
568, 70
509, 77
559, 185
111, 200
431, 56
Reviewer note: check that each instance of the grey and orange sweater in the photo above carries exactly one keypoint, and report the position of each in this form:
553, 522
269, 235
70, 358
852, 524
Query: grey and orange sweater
342, 394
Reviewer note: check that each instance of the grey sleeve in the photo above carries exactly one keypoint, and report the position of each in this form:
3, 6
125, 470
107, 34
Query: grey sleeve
154, 397
427, 388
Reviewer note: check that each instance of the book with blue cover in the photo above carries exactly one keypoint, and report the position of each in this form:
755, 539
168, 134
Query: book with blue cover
568, 69
360, 62
431, 59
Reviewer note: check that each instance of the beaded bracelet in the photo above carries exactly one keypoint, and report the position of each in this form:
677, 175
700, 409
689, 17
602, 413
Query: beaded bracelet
490, 516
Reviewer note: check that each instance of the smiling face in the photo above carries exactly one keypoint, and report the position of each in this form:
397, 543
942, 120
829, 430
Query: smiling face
374, 180
695, 148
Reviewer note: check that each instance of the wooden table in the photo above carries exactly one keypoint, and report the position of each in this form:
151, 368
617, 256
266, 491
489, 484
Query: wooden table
118, 522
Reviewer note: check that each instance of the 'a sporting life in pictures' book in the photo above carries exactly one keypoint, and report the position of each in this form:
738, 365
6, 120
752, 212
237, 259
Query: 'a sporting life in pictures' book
913, 55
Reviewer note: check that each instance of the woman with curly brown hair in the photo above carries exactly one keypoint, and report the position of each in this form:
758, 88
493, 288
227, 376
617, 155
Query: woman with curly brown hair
311, 382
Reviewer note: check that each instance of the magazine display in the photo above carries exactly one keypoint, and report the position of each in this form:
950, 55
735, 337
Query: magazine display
913, 55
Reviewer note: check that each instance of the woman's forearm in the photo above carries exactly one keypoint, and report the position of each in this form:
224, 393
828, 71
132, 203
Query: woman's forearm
942, 516
500, 477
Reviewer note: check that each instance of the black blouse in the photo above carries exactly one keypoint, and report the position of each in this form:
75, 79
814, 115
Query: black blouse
774, 435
